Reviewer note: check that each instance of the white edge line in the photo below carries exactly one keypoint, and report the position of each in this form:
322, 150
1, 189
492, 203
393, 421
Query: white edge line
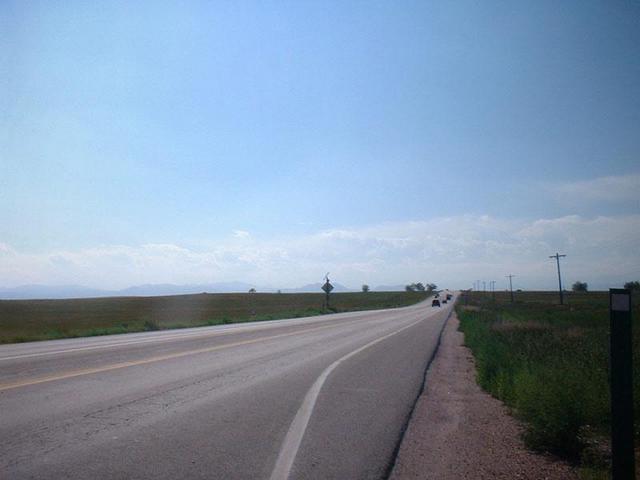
114, 345
293, 439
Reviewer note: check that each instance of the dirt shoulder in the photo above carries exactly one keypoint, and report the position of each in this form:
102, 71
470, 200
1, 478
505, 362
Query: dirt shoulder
458, 431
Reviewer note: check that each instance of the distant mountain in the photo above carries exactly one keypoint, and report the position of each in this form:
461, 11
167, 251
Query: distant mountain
49, 291
151, 290
26, 292
316, 288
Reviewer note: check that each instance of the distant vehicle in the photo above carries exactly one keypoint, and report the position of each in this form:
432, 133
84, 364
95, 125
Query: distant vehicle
437, 295
444, 301
435, 302
449, 296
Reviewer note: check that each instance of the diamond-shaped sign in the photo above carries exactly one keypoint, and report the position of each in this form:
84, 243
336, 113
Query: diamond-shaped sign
327, 287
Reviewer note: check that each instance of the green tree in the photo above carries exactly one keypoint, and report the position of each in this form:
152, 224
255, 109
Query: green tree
580, 286
634, 285
365, 288
415, 287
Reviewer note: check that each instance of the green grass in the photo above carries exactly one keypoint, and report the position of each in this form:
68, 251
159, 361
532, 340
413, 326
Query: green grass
549, 363
29, 320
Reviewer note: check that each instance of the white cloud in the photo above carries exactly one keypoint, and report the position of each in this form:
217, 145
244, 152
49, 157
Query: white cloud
241, 234
615, 189
451, 251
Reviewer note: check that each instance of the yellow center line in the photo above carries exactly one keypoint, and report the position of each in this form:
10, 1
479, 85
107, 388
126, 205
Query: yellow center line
116, 366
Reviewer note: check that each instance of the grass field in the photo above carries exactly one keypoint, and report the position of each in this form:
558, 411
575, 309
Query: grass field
549, 363
28, 320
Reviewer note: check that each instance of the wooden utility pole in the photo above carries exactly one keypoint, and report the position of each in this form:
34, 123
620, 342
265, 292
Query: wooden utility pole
557, 256
510, 285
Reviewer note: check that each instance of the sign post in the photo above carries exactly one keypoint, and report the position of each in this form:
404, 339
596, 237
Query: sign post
327, 287
622, 461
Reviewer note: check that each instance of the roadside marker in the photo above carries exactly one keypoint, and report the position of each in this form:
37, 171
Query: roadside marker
622, 462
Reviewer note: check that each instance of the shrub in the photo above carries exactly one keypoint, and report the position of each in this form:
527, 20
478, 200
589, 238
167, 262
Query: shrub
580, 286
635, 285
151, 325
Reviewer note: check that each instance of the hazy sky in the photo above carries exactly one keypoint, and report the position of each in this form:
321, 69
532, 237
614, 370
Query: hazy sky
270, 142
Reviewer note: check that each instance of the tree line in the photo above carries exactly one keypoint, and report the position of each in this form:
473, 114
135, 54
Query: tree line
584, 287
420, 287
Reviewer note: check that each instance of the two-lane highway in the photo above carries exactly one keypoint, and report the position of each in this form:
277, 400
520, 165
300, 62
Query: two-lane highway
321, 397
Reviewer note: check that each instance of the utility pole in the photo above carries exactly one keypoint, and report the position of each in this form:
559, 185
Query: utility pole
484, 286
510, 285
557, 256
493, 289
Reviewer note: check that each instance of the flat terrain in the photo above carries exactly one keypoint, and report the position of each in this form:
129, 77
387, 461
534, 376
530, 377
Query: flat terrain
324, 397
29, 320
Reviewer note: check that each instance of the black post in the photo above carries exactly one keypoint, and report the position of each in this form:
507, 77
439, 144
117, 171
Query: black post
622, 453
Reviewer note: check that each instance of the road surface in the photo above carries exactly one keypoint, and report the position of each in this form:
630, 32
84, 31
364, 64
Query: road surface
322, 397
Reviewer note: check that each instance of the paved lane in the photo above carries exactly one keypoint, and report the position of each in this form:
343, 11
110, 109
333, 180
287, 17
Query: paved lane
323, 397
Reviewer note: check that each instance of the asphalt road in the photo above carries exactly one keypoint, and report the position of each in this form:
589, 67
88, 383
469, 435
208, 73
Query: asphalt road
323, 397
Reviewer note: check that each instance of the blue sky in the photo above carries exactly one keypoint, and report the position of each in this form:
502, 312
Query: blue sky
237, 133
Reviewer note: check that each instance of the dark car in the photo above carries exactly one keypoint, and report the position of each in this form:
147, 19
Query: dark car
435, 302
449, 296
444, 301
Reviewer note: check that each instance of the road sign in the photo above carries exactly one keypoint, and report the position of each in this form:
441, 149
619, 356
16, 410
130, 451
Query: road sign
622, 453
327, 287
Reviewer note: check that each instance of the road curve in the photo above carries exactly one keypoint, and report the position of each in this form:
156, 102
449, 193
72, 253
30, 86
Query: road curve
321, 397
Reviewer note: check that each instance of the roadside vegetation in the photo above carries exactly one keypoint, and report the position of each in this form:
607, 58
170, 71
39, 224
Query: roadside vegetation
549, 364
28, 320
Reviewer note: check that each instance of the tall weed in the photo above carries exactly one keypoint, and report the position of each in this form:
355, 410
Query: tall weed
549, 364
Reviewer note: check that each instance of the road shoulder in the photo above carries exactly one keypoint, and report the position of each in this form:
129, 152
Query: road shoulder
459, 431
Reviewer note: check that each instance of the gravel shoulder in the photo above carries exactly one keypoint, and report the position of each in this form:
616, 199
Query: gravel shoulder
458, 431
